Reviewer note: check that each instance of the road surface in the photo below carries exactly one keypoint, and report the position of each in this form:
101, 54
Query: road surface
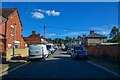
59, 65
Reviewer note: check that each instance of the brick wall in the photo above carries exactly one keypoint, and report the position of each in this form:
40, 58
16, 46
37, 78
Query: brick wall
2, 32
110, 52
14, 19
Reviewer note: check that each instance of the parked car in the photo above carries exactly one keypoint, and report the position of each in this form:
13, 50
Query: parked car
79, 52
66, 48
62, 47
69, 50
55, 47
50, 48
38, 51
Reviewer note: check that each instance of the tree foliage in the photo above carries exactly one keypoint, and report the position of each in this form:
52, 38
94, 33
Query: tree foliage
115, 35
114, 32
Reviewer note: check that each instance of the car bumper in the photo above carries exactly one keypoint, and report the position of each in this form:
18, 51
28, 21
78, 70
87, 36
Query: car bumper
35, 57
81, 56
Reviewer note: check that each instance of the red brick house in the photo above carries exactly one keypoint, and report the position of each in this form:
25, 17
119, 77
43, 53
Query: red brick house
33, 38
10, 29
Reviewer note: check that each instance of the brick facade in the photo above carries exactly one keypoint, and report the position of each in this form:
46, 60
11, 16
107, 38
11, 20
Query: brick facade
7, 28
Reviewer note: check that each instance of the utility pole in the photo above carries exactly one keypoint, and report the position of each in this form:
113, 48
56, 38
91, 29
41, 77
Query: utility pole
44, 33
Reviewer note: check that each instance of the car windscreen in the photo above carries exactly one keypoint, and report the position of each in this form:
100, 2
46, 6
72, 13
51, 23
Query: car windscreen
79, 48
66, 46
35, 48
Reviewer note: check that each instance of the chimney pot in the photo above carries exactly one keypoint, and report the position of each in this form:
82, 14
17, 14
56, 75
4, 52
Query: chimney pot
33, 32
38, 34
91, 31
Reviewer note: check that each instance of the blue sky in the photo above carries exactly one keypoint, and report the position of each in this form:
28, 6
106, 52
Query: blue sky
66, 18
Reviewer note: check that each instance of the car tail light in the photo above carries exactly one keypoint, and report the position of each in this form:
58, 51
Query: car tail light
42, 51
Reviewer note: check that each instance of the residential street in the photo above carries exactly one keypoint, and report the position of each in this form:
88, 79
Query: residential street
59, 65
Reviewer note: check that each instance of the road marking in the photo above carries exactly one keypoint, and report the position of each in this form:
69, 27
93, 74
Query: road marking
112, 72
18, 67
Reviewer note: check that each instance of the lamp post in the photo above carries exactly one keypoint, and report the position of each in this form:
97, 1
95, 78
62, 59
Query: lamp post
14, 39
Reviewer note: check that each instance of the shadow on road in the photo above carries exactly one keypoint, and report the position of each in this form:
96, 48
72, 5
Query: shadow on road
65, 53
61, 57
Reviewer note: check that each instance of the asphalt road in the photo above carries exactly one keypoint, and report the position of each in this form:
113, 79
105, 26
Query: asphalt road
59, 65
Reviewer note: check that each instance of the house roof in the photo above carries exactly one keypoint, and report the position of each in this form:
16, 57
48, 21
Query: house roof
6, 12
95, 35
24, 38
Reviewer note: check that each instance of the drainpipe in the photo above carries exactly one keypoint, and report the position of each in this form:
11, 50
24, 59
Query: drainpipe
5, 45
14, 39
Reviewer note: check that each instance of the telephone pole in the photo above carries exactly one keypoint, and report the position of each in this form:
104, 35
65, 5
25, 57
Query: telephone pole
44, 33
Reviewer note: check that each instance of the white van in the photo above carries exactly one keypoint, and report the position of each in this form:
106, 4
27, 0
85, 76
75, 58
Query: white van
38, 51
50, 47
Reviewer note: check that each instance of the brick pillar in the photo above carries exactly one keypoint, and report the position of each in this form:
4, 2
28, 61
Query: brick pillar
8, 54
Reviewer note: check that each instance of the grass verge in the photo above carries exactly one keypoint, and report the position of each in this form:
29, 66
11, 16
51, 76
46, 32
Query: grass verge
105, 63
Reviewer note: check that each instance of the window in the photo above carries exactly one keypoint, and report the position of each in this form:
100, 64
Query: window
17, 44
9, 45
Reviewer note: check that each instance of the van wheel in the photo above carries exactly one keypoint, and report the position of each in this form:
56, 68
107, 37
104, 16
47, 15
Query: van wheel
44, 58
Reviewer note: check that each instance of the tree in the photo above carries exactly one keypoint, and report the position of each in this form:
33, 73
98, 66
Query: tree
115, 35
114, 32
116, 38
79, 37
67, 39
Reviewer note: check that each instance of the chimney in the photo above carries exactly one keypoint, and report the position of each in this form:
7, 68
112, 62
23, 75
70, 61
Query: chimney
41, 36
38, 34
33, 32
91, 31
84, 35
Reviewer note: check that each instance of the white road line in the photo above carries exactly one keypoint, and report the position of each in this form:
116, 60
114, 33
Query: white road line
18, 67
112, 72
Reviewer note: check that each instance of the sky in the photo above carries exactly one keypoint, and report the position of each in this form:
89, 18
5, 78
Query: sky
66, 18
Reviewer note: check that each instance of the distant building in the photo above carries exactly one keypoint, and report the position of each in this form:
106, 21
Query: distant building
94, 39
33, 38
44, 41
76, 42
10, 29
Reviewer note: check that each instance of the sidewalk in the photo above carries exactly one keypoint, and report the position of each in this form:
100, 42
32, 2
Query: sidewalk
10, 65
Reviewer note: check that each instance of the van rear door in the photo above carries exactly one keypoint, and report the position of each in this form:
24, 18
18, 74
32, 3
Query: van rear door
35, 50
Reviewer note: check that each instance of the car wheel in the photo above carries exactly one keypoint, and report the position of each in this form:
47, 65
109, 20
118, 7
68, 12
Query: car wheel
44, 58
86, 57
73, 57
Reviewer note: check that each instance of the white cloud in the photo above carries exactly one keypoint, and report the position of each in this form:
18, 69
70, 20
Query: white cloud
105, 32
51, 34
40, 10
52, 13
48, 12
37, 15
